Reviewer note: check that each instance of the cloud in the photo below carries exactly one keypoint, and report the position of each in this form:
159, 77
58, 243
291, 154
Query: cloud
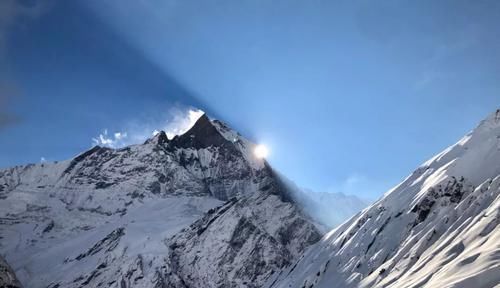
43, 160
118, 139
181, 122
176, 121
120, 135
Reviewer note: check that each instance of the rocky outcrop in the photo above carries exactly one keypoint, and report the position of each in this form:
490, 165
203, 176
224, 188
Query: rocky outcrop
7, 277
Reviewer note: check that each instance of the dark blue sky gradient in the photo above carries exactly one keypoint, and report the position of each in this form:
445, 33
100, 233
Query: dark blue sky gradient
74, 77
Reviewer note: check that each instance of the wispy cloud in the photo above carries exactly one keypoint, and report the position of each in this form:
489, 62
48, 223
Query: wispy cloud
117, 139
181, 122
176, 122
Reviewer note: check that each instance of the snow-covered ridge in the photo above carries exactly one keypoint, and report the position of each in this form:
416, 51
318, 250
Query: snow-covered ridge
108, 217
437, 228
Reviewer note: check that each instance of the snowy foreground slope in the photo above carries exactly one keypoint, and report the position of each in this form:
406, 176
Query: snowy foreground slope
198, 210
438, 228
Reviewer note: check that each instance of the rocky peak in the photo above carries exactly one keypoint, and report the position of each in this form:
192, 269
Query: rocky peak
159, 138
492, 122
202, 135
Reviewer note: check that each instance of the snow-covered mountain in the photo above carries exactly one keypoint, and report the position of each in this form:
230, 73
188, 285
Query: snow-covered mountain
437, 228
198, 210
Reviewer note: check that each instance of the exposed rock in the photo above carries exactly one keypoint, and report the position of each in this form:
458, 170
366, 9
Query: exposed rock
241, 244
7, 277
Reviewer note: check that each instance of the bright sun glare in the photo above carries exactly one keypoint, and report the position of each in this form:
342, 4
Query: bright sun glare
261, 151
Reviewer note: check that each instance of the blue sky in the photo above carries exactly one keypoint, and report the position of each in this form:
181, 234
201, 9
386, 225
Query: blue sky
349, 96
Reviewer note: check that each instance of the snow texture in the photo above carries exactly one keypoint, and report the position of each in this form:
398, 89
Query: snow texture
437, 228
119, 217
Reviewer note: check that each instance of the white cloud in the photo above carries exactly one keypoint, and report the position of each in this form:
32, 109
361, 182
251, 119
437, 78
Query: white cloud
181, 122
120, 135
113, 141
177, 121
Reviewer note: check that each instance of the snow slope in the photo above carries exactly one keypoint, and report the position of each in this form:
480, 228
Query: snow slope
437, 228
109, 217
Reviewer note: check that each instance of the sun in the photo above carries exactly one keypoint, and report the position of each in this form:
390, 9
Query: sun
261, 151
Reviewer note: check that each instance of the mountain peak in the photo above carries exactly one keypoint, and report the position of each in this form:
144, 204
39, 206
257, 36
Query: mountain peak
202, 135
159, 138
491, 122
201, 124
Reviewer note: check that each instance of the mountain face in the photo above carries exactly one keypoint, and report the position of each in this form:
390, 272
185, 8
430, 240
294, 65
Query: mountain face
198, 210
438, 228
261, 234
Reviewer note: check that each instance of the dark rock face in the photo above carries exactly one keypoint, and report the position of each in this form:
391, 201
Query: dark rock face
96, 150
202, 157
159, 139
108, 243
240, 244
202, 135
7, 277
453, 191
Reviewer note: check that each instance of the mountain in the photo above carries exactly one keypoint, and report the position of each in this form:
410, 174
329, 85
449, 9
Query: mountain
437, 228
198, 210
